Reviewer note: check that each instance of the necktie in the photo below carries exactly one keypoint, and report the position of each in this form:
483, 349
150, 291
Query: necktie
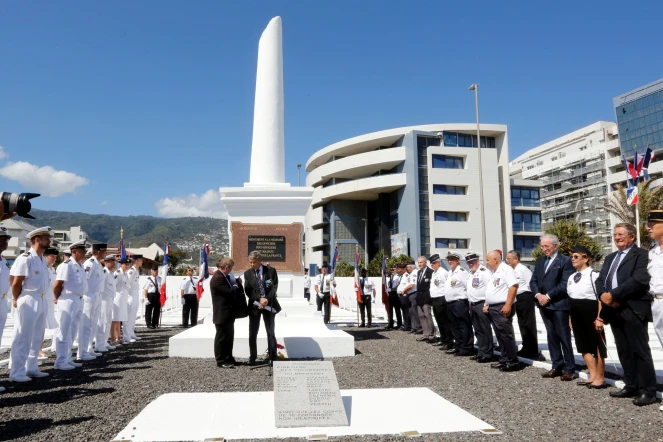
362, 284
261, 287
611, 273
545, 268
323, 283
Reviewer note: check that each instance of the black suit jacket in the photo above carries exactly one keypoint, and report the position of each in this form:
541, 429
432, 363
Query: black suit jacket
223, 296
632, 289
252, 289
423, 286
553, 283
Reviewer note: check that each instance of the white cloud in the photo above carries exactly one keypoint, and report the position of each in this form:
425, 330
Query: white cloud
3, 154
44, 180
208, 205
104, 203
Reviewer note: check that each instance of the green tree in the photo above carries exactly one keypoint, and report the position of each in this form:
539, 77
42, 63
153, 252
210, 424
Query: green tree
174, 259
400, 259
375, 265
648, 200
344, 269
571, 234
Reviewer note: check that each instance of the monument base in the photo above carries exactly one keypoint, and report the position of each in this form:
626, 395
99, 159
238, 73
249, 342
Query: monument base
299, 328
231, 416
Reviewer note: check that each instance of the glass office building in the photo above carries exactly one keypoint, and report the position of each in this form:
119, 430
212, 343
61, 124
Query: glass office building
640, 119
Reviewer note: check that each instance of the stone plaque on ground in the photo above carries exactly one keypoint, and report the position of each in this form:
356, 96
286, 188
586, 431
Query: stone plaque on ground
306, 394
279, 244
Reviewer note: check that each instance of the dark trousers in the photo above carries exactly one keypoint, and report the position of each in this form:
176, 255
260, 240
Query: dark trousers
559, 339
414, 313
461, 324
318, 302
394, 306
506, 337
405, 307
190, 310
632, 339
482, 330
153, 310
326, 303
307, 295
254, 326
364, 308
526, 312
440, 311
223, 342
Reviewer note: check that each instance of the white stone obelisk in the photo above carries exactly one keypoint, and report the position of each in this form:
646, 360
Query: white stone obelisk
268, 150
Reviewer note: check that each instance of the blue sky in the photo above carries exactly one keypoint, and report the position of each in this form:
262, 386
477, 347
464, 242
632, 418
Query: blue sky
132, 107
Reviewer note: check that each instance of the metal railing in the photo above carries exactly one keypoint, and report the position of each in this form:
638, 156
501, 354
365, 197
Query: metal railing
525, 202
525, 227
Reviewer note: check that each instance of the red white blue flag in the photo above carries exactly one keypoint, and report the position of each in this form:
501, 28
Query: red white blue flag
204, 269
164, 273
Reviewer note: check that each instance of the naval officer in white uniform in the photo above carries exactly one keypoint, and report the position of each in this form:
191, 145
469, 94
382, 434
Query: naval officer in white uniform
91, 301
5, 294
106, 310
128, 328
29, 286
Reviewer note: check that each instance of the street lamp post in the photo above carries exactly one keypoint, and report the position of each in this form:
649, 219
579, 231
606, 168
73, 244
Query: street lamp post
299, 169
365, 220
475, 88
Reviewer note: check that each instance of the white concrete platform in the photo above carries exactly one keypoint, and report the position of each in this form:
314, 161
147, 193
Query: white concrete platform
212, 416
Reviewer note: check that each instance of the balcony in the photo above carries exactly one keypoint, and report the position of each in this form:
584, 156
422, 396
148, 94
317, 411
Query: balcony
524, 228
525, 253
525, 202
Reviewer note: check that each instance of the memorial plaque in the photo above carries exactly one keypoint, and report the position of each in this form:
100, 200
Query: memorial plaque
271, 247
306, 394
279, 244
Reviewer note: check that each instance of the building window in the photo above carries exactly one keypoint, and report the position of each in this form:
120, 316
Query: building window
453, 139
423, 142
525, 245
443, 189
447, 162
393, 224
450, 216
450, 243
526, 222
525, 197
530, 167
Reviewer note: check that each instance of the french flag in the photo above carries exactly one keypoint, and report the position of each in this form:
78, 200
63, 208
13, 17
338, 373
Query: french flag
357, 283
164, 273
204, 269
649, 157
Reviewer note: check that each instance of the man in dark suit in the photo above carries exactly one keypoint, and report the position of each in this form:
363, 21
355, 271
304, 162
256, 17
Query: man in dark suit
623, 285
424, 302
260, 285
224, 288
549, 281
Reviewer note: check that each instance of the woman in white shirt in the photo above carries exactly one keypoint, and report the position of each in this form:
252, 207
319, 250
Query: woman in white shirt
585, 309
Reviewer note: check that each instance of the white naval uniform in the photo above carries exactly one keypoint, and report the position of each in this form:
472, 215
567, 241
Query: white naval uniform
583, 286
324, 283
70, 305
477, 283
51, 320
455, 287
501, 281
369, 287
133, 302
524, 275
30, 313
655, 269
120, 299
5, 294
91, 303
106, 310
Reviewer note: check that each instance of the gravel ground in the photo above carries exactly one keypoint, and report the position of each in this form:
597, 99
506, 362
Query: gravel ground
97, 401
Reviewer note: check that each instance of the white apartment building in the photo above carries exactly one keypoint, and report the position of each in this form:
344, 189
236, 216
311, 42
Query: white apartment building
18, 243
573, 171
418, 182
66, 238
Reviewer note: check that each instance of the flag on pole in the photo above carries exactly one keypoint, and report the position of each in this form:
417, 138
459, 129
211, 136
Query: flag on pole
332, 289
635, 168
385, 294
204, 269
632, 196
357, 283
649, 157
164, 273
334, 259
123, 251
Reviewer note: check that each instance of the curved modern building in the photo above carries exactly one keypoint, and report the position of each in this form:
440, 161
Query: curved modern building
417, 185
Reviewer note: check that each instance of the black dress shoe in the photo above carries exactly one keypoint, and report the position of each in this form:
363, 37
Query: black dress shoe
444, 347
436, 344
497, 365
644, 399
433, 342
362, 325
484, 360
510, 367
225, 365
422, 339
474, 357
623, 393
597, 387
462, 353
251, 362
452, 351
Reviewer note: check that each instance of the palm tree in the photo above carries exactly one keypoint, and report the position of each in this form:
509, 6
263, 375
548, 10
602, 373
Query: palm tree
648, 200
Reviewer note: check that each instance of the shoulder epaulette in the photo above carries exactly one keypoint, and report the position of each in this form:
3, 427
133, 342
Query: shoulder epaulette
26, 254
461, 269
483, 269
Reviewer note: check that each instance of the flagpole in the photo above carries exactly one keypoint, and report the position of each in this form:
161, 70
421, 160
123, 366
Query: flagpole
637, 222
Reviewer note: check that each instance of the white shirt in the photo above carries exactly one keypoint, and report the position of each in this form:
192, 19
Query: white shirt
110, 281
151, 285
307, 283
189, 285
51, 282
524, 275
621, 257
4, 279
497, 289
134, 280
582, 285
454, 287
95, 275
477, 283
324, 282
403, 282
395, 281
73, 275
655, 269
35, 270
437, 283
369, 285
122, 284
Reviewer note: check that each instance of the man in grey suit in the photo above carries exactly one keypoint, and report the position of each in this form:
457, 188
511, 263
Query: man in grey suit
548, 283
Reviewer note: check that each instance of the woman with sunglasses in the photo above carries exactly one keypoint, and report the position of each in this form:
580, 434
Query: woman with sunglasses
585, 322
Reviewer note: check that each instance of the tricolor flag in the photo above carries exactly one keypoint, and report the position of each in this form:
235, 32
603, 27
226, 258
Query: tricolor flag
332, 266
385, 294
204, 269
357, 283
123, 251
649, 156
164, 272
632, 196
